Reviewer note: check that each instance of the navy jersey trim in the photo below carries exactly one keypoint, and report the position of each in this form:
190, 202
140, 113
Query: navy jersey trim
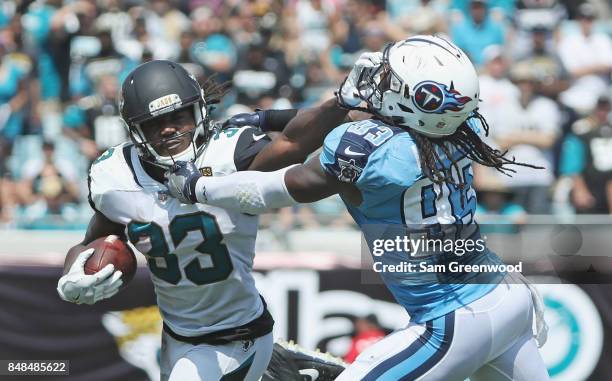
249, 144
355, 147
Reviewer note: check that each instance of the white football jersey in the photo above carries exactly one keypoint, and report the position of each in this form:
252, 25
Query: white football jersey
200, 256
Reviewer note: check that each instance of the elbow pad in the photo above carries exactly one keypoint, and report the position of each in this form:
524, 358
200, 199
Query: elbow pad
249, 192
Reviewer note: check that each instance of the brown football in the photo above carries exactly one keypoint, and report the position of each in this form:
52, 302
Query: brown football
113, 250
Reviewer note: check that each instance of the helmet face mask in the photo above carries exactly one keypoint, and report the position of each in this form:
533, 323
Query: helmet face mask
424, 83
374, 83
154, 150
158, 90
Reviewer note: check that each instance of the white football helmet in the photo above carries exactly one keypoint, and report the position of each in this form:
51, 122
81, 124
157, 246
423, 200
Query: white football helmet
425, 83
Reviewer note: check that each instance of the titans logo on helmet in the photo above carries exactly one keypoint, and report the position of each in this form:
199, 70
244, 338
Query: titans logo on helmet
437, 98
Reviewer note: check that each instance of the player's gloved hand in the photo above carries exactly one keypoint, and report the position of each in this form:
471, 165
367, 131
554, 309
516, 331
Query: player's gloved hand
348, 93
181, 180
244, 119
79, 288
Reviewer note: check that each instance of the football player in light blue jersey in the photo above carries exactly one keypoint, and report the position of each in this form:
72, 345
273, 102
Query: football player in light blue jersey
407, 172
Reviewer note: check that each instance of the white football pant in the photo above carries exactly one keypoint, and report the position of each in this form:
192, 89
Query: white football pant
489, 339
240, 360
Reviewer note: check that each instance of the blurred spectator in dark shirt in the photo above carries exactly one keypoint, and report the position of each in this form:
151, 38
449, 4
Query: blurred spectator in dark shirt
367, 331
114, 18
346, 42
588, 58
94, 121
261, 71
185, 44
478, 31
552, 77
536, 15
48, 184
587, 157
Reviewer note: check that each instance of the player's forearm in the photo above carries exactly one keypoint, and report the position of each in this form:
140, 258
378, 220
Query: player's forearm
246, 192
278, 120
302, 136
308, 129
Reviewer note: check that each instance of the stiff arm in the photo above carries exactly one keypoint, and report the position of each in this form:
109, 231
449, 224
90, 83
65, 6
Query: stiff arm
258, 192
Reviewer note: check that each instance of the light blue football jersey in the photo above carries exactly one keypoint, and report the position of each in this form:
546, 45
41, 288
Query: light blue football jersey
382, 161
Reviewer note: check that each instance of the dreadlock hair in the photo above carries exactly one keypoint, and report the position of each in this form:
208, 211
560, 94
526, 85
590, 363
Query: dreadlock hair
214, 91
465, 140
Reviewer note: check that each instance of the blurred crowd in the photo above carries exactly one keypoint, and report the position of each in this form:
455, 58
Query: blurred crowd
545, 86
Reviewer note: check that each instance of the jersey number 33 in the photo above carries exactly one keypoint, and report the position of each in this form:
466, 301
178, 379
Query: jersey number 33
165, 264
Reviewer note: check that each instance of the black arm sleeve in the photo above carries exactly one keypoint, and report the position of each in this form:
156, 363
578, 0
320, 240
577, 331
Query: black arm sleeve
275, 120
250, 142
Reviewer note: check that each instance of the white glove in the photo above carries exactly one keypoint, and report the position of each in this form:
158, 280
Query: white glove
79, 288
348, 94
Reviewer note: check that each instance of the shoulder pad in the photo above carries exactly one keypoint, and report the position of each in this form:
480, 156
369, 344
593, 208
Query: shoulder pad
112, 171
347, 148
219, 155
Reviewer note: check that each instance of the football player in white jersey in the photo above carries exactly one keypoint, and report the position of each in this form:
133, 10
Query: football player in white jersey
216, 325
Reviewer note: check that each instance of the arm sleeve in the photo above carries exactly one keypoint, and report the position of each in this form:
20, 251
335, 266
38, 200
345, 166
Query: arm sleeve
250, 143
248, 192
275, 120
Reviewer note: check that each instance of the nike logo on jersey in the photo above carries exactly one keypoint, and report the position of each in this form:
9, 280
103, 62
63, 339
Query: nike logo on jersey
309, 374
347, 151
259, 137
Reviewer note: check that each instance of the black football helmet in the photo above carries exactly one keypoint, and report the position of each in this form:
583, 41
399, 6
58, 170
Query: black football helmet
156, 88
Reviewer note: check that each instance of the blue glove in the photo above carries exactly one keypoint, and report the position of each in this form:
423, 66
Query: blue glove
244, 119
181, 180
